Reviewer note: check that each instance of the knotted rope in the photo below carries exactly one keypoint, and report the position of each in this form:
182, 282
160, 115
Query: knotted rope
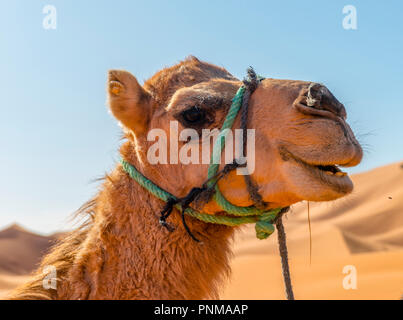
240, 215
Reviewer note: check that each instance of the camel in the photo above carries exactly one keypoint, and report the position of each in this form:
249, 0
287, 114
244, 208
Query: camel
121, 251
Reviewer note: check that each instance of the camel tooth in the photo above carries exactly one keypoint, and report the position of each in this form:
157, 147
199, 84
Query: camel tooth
341, 174
330, 173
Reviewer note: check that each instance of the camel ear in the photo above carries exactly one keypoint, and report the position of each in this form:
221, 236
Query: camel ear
128, 101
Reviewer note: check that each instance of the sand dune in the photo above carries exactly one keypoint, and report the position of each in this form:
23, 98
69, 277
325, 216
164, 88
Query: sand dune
379, 276
364, 230
20, 250
9, 282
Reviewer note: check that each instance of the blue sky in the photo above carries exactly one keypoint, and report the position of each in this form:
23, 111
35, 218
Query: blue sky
56, 136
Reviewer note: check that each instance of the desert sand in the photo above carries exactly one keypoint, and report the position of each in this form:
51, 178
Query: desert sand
363, 230
20, 253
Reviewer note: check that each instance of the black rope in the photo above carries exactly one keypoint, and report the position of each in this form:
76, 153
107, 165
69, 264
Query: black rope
282, 245
200, 195
250, 83
185, 202
166, 212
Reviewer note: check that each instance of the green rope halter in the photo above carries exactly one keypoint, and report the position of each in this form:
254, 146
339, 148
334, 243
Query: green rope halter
235, 215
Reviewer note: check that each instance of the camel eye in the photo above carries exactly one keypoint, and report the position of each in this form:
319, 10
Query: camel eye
194, 115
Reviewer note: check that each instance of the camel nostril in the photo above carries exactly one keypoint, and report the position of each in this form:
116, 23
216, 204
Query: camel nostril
314, 95
319, 97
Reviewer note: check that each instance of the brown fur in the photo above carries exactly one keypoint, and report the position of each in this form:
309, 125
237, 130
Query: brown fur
123, 253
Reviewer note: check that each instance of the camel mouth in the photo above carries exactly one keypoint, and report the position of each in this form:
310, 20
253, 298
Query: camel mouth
331, 170
328, 169
330, 175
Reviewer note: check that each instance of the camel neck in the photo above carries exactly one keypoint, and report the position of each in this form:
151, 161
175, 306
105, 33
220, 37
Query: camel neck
129, 255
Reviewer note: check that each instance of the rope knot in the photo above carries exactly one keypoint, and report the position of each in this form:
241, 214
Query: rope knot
264, 227
251, 81
166, 212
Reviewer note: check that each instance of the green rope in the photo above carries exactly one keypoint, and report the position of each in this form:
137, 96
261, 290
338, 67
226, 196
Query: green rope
217, 150
236, 215
220, 141
264, 226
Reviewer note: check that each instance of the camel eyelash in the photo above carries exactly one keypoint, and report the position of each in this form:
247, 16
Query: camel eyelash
201, 113
194, 116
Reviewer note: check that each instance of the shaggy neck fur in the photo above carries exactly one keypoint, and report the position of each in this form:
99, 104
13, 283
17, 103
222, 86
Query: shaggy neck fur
123, 253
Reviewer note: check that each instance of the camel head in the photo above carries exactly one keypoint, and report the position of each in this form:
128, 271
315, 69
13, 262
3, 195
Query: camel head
302, 139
